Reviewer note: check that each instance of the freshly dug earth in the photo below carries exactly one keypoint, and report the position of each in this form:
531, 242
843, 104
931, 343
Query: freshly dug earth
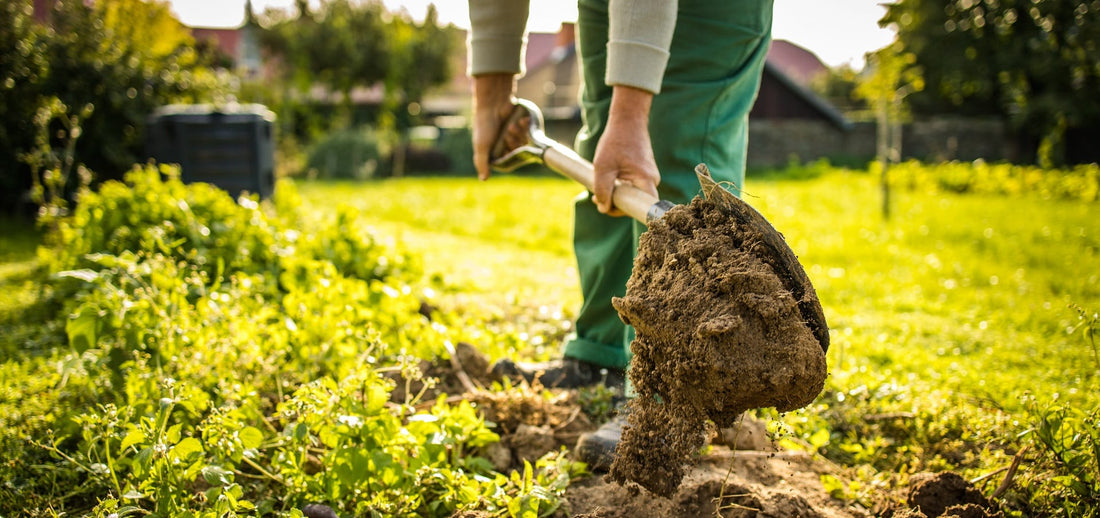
748, 484
718, 332
947, 494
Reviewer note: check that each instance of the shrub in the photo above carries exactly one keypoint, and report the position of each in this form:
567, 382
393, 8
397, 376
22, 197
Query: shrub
93, 55
457, 144
222, 359
348, 154
1080, 182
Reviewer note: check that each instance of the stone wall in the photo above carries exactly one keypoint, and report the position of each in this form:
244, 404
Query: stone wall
777, 142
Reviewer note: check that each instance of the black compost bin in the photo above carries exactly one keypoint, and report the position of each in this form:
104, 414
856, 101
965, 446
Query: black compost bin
231, 147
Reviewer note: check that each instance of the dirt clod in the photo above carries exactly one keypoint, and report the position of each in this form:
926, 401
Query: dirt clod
718, 333
935, 494
531, 442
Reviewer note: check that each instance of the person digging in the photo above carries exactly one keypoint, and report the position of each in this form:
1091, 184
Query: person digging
666, 85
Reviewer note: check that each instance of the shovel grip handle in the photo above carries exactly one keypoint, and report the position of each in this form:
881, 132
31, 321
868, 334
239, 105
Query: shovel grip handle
633, 201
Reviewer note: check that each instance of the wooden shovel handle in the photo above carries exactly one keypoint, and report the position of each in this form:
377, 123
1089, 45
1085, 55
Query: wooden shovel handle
635, 202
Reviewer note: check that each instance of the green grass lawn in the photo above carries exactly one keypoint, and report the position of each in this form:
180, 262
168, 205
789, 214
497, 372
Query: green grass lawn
969, 294
20, 283
956, 315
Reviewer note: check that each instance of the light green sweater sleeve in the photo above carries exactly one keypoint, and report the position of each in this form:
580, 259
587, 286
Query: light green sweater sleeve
639, 38
497, 36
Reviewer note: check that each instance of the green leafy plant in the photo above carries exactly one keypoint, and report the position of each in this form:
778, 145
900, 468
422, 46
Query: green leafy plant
1080, 182
52, 179
348, 154
233, 361
1069, 471
1089, 326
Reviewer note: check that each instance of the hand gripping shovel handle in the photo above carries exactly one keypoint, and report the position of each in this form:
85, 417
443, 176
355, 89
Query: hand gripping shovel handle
640, 205
540, 149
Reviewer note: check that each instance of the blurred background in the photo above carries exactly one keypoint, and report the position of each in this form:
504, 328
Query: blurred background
369, 89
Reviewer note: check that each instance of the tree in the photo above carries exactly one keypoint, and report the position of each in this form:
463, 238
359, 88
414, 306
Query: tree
345, 44
421, 60
425, 51
23, 67
125, 57
838, 86
892, 79
116, 60
1033, 62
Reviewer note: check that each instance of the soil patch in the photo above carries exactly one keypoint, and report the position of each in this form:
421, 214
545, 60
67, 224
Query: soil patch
718, 332
947, 494
743, 484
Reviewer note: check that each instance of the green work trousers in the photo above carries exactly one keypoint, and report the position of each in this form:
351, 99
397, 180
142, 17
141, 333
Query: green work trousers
700, 115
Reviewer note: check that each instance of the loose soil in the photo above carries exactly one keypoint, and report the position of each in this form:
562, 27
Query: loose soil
743, 483
742, 468
945, 495
719, 331
740, 474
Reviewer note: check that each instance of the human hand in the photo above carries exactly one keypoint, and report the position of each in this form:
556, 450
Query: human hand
493, 102
624, 151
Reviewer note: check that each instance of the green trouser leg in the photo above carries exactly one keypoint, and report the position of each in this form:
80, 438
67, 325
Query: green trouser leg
701, 115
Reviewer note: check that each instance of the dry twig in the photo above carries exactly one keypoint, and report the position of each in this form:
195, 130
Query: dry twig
1007, 482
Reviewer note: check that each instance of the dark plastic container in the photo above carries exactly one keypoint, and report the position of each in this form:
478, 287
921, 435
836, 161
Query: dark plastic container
232, 147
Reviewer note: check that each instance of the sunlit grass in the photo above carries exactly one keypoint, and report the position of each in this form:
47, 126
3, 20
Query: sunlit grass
507, 240
964, 293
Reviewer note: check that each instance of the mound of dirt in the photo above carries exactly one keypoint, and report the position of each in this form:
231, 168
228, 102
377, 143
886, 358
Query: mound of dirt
721, 484
718, 332
947, 494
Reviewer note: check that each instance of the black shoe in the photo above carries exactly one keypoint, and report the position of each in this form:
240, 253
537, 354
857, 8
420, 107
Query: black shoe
597, 449
564, 373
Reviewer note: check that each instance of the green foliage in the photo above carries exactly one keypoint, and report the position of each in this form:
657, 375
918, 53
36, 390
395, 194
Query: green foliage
197, 223
894, 76
119, 59
345, 44
23, 67
838, 85
1078, 183
220, 358
52, 179
423, 57
348, 154
1033, 63
953, 348
1068, 472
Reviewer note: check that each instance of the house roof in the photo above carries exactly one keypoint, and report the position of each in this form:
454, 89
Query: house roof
541, 45
228, 40
816, 103
795, 62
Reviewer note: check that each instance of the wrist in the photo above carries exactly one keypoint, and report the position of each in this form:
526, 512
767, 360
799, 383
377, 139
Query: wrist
630, 105
494, 89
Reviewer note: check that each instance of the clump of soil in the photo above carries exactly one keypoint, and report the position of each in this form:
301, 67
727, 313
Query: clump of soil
719, 331
531, 422
947, 494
